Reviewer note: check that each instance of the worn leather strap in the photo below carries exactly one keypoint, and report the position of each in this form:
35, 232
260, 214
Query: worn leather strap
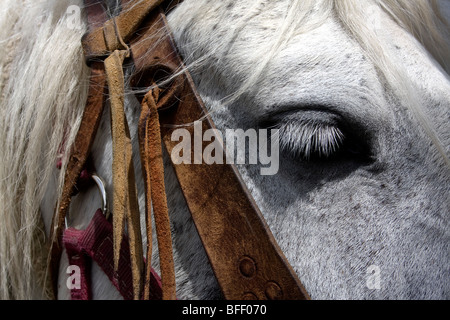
125, 202
77, 160
153, 171
80, 150
100, 42
245, 257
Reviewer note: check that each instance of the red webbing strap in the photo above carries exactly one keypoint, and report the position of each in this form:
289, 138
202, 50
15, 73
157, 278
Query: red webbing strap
96, 243
77, 257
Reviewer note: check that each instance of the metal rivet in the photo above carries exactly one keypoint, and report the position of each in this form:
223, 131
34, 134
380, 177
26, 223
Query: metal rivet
247, 267
273, 291
249, 296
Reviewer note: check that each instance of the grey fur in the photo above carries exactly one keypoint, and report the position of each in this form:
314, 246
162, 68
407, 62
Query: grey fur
334, 219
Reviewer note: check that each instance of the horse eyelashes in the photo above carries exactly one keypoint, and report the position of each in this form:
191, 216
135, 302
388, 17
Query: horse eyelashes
308, 140
315, 134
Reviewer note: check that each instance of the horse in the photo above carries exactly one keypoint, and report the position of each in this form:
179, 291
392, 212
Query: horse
359, 92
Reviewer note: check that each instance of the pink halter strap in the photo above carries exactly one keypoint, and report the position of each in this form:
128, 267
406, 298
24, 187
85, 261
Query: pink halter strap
96, 243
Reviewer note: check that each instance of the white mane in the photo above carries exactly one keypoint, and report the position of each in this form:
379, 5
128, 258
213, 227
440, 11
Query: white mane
43, 89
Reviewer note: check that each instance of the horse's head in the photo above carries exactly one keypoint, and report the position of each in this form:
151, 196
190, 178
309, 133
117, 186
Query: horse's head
358, 91
362, 110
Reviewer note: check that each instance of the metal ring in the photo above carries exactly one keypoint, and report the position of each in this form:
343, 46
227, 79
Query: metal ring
101, 188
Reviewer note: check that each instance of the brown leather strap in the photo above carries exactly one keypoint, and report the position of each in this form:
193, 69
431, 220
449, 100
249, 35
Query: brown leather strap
125, 202
81, 147
78, 156
153, 171
100, 42
245, 258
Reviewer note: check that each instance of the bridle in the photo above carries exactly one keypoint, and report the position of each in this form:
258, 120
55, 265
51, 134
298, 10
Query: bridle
244, 256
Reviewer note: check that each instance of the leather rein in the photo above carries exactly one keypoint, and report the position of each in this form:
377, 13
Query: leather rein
244, 255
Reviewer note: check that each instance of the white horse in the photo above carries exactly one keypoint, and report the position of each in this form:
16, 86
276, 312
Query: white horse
360, 91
